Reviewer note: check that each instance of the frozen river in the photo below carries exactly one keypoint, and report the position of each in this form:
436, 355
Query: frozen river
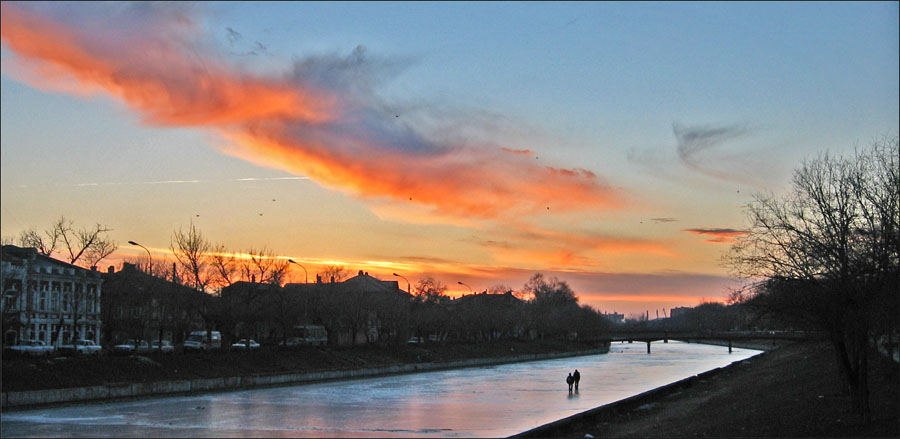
495, 401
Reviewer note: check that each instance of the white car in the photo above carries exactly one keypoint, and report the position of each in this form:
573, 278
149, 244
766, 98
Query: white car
32, 347
132, 347
82, 347
242, 344
166, 347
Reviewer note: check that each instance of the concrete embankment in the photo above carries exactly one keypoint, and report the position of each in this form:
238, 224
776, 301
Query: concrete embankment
112, 391
608, 411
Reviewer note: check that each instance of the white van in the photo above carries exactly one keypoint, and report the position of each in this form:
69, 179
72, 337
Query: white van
198, 341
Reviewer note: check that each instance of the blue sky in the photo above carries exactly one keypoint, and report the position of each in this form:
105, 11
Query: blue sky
674, 110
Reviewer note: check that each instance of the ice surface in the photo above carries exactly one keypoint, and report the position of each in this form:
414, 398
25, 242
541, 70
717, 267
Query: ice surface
495, 401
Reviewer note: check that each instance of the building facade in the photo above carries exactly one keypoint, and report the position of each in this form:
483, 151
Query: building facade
141, 306
47, 299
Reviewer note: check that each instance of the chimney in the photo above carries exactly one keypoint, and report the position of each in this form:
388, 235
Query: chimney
93, 268
318, 278
111, 269
360, 272
252, 278
332, 279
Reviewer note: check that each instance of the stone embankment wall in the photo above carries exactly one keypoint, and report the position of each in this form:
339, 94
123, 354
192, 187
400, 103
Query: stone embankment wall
36, 398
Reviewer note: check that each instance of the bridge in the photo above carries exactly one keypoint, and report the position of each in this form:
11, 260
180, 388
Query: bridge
649, 336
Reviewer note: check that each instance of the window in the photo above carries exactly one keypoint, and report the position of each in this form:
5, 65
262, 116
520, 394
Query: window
10, 300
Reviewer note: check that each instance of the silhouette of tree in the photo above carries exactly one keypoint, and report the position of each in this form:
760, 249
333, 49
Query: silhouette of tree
339, 272
828, 252
86, 246
553, 305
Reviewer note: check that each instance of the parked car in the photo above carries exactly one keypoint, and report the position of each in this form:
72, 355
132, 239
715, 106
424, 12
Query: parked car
242, 344
81, 347
308, 335
198, 341
165, 348
32, 347
132, 346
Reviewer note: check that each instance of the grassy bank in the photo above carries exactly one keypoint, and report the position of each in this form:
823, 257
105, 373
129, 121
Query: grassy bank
23, 373
793, 391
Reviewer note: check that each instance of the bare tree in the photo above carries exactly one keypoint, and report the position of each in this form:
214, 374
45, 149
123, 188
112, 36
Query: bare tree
44, 243
336, 272
225, 266
553, 304
828, 252
86, 246
429, 289
192, 252
98, 251
263, 266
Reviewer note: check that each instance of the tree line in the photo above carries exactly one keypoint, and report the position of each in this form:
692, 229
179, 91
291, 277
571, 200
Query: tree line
187, 288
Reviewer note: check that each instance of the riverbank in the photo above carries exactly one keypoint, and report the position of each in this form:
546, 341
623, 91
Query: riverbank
792, 391
39, 381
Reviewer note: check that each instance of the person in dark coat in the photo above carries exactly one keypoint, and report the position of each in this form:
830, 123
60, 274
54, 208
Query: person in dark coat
569, 380
577, 377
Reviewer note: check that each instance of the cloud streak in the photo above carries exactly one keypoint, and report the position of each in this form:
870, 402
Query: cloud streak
322, 119
700, 148
717, 236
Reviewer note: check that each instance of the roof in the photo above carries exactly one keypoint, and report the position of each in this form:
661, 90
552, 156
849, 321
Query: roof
13, 254
362, 282
129, 277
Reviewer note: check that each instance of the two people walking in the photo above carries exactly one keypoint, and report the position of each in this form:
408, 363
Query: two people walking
573, 379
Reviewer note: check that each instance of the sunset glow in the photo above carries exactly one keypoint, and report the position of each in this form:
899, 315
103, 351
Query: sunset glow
440, 145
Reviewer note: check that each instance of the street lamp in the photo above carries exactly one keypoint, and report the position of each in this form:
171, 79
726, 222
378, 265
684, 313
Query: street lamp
149, 257
470, 288
407, 282
305, 276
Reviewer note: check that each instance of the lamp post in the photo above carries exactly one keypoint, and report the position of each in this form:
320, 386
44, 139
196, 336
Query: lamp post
470, 288
407, 282
149, 257
305, 275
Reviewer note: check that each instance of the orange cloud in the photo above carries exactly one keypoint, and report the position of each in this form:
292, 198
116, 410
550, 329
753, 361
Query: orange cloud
527, 152
523, 244
154, 76
321, 119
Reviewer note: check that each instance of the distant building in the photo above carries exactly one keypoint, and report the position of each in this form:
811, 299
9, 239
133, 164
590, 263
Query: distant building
140, 306
354, 311
679, 311
615, 317
47, 299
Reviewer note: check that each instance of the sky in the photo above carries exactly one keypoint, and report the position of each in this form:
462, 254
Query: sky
612, 145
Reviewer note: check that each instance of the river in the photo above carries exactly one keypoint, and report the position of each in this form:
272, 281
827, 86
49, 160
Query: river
495, 401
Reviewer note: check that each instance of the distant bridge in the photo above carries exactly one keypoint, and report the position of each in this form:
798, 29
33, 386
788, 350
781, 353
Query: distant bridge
650, 336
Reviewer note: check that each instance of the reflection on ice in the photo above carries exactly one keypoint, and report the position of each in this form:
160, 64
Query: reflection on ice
476, 402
